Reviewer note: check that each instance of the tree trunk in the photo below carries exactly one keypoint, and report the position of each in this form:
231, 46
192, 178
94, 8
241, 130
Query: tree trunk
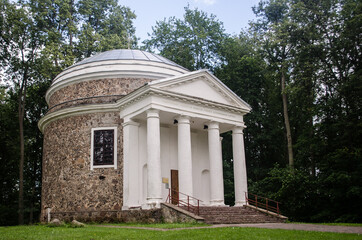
311, 148
31, 215
70, 24
21, 108
33, 197
21, 163
286, 122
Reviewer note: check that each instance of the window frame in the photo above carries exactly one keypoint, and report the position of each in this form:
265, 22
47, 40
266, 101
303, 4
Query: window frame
114, 165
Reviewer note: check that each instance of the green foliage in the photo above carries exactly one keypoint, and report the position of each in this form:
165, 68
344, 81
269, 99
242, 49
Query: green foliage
38, 39
105, 26
244, 72
192, 42
9, 155
323, 107
298, 192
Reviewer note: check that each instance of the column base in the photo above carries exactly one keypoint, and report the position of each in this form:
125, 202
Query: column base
217, 203
138, 207
240, 203
152, 203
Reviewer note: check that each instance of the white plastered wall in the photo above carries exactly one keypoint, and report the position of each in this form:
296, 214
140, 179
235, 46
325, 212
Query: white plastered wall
200, 163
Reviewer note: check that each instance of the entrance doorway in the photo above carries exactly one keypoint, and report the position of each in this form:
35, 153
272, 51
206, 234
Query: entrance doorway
174, 186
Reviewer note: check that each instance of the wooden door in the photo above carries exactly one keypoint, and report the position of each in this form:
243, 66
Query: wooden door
174, 187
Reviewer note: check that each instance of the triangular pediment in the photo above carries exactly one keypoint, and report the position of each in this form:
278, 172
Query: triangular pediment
201, 85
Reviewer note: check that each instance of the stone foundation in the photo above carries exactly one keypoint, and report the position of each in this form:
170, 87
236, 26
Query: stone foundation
167, 213
172, 214
139, 216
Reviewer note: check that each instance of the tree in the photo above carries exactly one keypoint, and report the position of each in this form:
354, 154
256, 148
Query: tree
20, 43
57, 20
339, 104
274, 27
38, 40
192, 42
244, 71
105, 25
74, 30
323, 38
9, 158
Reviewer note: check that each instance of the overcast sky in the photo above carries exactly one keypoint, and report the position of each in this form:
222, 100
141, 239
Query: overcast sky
235, 14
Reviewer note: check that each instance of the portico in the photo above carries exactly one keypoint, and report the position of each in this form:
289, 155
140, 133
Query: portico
175, 124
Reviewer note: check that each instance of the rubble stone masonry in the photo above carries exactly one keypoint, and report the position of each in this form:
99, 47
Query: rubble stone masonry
68, 183
93, 88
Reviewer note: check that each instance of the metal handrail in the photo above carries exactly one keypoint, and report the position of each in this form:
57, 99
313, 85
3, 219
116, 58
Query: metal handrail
190, 207
262, 202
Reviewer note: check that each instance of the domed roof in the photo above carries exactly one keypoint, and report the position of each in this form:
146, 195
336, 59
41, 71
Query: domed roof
127, 54
119, 63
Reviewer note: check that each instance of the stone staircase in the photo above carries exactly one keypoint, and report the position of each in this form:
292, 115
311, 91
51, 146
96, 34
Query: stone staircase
233, 215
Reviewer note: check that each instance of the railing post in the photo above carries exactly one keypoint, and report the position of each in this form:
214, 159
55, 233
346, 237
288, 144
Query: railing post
198, 207
263, 203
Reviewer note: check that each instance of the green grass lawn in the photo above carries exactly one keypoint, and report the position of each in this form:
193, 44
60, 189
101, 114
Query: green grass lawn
156, 225
333, 224
92, 232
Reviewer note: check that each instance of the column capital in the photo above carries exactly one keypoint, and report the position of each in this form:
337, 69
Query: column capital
183, 119
132, 123
238, 129
212, 125
153, 113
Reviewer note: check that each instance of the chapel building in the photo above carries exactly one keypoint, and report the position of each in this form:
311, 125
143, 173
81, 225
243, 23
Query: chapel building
125, 126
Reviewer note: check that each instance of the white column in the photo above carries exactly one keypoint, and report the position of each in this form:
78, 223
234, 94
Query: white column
216, 174
240, 179
184, 157
130, 165
154, 186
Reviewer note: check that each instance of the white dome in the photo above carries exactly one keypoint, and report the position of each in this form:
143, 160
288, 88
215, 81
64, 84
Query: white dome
127, 54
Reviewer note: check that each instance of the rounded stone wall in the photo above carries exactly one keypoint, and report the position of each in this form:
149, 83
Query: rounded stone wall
94, 91
96, 88
68, 183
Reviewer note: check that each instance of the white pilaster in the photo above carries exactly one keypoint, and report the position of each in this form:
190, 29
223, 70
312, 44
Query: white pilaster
216, 174
154, 186
130, 165
240, 179
184, 157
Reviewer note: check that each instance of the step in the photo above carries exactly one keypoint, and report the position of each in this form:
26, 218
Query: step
228, 215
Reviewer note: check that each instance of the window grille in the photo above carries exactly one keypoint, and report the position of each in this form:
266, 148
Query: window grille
103, 149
